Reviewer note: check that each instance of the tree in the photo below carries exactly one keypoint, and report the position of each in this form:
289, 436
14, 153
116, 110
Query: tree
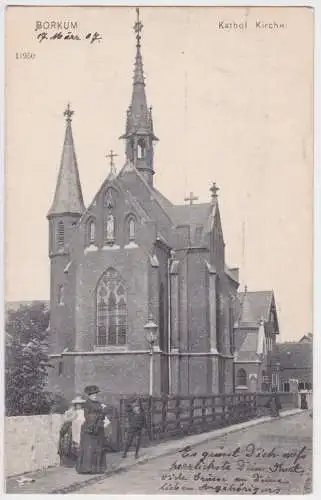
27, 359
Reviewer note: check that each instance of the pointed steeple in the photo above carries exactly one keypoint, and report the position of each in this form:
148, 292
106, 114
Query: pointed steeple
139, 133
68, 197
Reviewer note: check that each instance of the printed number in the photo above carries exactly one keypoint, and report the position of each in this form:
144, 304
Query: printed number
25, 55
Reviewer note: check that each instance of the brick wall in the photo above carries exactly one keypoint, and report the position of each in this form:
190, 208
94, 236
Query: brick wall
117, 373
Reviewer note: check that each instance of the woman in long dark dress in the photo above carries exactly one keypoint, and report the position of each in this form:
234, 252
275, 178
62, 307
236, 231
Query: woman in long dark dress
92, 455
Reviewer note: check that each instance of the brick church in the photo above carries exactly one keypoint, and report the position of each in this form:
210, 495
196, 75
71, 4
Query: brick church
130, 257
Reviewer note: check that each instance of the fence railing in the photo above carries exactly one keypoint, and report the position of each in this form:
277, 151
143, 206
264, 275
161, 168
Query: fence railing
170, 417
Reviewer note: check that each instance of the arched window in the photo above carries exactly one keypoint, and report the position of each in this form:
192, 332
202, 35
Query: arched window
91, 232
60, 297
61, 234
241, 377
109, 230
111, 310
131, 229
141, 149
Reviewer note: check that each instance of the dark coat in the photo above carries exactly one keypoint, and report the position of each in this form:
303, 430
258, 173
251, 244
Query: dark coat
92, 454
136, 421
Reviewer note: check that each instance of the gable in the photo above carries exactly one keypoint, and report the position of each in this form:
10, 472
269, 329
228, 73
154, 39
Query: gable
255, 306
114, 204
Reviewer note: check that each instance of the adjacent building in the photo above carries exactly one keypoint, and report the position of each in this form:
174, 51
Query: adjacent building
256, 330
295, 361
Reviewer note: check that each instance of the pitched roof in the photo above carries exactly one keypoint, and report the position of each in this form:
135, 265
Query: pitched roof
68, 195
196, 214
295, 358
162, 199
255, 305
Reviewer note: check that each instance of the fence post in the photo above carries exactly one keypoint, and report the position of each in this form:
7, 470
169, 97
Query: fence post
121, 424
191, 413
223, 399
164, 414
177, 412
204, 413
213, 409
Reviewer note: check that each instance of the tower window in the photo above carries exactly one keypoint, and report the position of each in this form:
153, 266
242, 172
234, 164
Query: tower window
111, 310
109, 230
141, 149
91, 232
61, 234
60, 368
131, 229
60, 295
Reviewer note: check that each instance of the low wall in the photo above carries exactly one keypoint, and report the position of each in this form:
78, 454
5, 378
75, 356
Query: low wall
31, 443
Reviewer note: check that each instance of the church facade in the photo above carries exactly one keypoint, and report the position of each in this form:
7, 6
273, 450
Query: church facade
131, 257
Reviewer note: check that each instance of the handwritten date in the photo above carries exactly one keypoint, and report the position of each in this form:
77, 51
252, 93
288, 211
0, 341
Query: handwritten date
61, 35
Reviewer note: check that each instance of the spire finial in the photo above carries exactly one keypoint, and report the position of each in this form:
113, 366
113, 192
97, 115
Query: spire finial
214, 190
138, 26
68, 113
111, 156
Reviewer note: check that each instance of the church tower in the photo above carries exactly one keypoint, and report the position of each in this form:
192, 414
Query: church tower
63, 216
139, 135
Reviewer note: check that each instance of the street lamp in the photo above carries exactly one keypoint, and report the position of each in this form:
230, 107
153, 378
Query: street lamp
151, 337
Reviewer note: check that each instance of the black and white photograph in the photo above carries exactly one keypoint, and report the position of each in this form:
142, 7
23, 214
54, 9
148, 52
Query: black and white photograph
159, 198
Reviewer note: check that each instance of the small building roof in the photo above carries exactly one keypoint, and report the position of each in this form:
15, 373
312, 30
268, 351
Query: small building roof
255, 306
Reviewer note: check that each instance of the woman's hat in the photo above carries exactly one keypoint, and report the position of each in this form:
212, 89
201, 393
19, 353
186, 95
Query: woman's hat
91, 389
78, 400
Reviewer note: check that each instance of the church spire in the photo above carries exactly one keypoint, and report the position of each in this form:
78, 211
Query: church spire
68, 197
139, 133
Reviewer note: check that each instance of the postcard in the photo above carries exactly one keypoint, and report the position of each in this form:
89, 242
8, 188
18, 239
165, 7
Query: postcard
159, 249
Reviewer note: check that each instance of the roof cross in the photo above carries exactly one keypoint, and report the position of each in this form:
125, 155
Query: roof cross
191, 198
68, 113
111, 156
138, 26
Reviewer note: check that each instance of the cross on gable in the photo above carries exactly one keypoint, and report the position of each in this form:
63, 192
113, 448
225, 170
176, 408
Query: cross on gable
111, 156
68, 113
191, 198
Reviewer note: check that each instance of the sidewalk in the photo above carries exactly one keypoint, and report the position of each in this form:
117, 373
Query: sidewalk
65, 480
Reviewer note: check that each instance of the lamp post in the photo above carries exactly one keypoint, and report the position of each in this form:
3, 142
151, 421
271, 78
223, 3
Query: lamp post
151, 337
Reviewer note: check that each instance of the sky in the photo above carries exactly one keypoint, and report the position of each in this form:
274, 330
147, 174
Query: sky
233, 107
